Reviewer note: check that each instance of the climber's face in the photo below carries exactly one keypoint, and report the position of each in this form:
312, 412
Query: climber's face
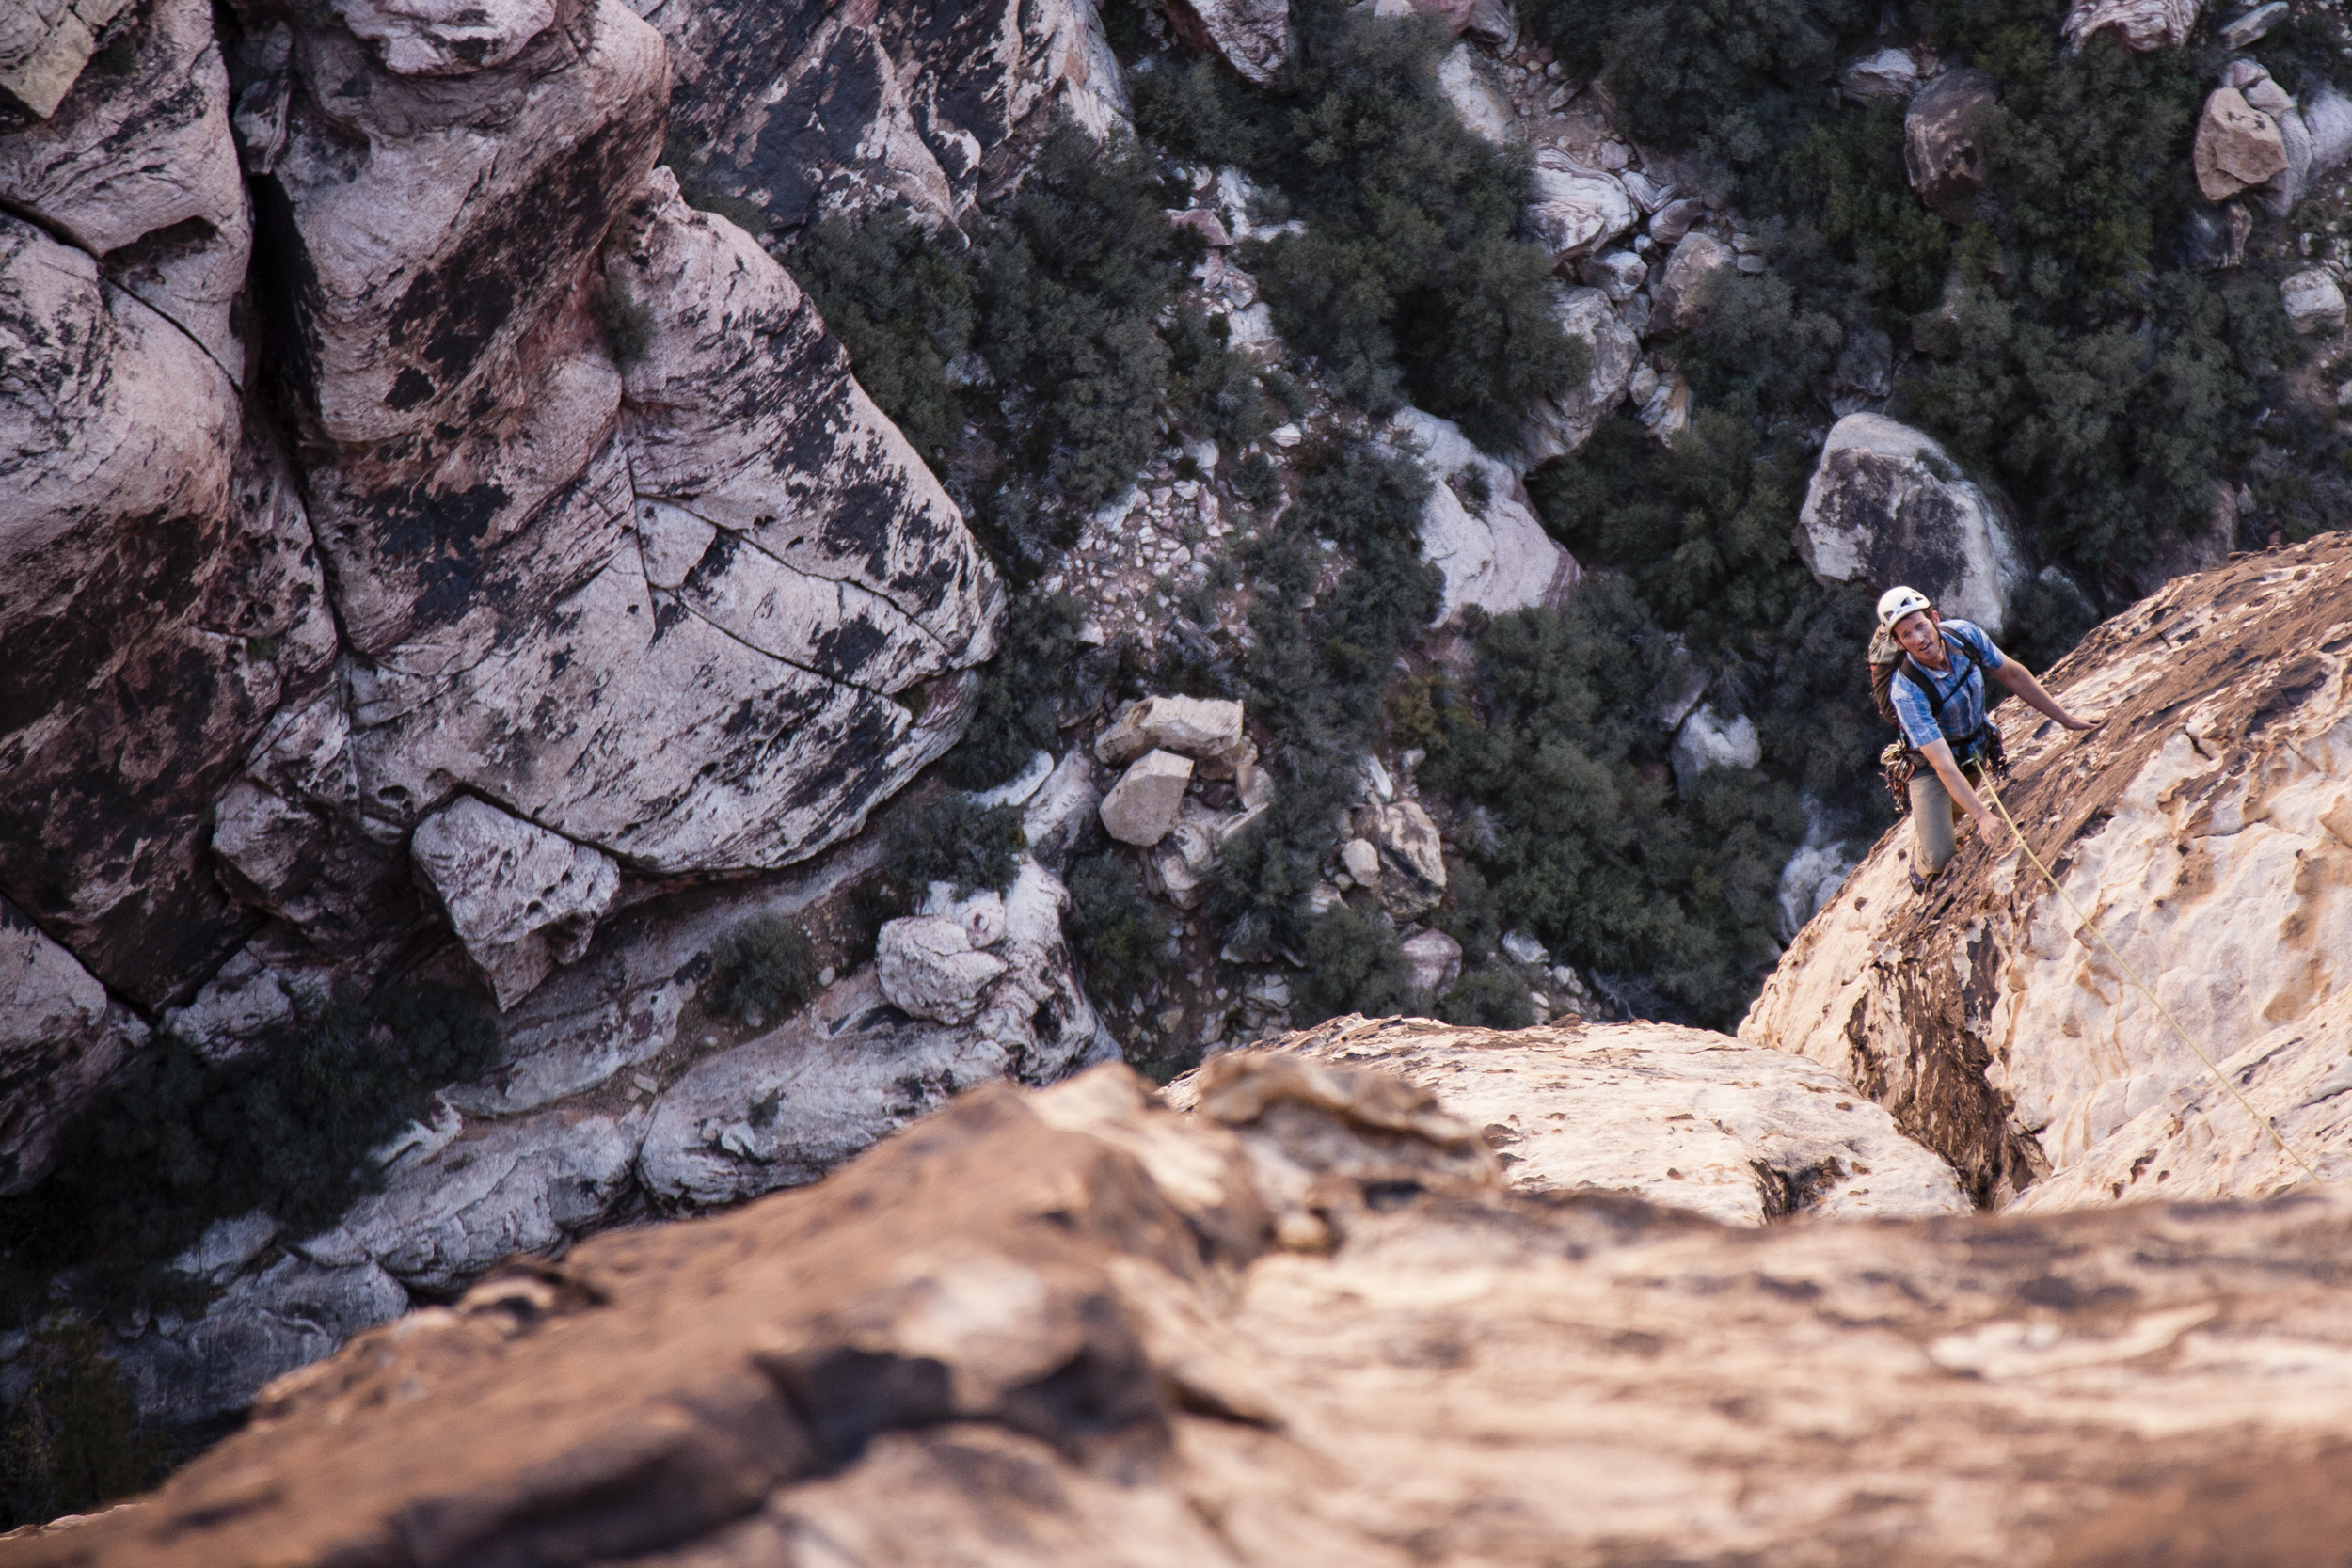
1919, 637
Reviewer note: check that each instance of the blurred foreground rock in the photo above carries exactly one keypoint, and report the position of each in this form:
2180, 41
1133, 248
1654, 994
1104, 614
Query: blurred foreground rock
1306, 1325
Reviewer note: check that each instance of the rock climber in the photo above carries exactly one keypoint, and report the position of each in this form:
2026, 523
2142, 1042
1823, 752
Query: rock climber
1929, 676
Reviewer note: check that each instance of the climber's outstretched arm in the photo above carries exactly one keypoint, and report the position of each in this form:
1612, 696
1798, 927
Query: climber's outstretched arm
2019, 679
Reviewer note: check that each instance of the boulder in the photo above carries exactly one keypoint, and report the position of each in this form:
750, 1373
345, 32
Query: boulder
2327, 116
1940, 151
1685, 1117
245, 1004
1562, 422
2141, 25
1177, 869
782, 1109
1064, 816
1198, 727
1888, 75
522, 899
1675, 219
1475, 100
1141, 806
1411, 875
1710, 739
2237, 146
1678, 303
2312, 300
1330, 1328
1251, 35
1436, 959
1887, 506
137, 167
61, 1038
1573, 209
804, 109
466, 1198
44, 47
1499, 558
2250, 27
2203, 828
928, 966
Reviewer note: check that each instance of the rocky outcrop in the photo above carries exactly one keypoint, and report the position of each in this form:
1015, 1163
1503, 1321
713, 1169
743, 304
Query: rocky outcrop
1199, 727
2237, 146
805, 108
2312, 300
1887, 506
1707, 739
1562, 422
61, 1036
1251, 35
1492, 552
1142, 807
1680, 301
1940, 151
2141, 25
1683, 1117
44, 47
2206, 828
1572, 210
1304, 1325
522, 899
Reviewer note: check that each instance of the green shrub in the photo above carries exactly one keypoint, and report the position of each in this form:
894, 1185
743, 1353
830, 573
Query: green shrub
1354, 965
176, 1143
1408, 280
70, 1440
760, 969
1489, 999
1021, 693
627, 325
1120, 934
904, 302
952, 838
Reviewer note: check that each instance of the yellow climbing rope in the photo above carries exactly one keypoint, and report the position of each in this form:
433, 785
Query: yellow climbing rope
2210, 1065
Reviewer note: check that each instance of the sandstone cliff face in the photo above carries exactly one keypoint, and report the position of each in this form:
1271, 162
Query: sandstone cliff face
807, 109
1304, 1325
489, 472
2206, 826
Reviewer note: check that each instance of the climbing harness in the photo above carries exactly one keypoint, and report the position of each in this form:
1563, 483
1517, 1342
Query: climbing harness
1901, 762
2210, 1065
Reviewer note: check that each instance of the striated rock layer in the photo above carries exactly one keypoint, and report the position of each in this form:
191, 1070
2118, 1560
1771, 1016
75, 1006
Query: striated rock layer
2206, 828
1306, 1325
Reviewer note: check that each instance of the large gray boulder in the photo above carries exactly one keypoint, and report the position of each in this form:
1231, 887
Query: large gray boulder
1572, 210
1251, 35
805, 107
2237, 146
522, 899
1680, 301
1887, 506
60, 1036
1562, 423
2141, 25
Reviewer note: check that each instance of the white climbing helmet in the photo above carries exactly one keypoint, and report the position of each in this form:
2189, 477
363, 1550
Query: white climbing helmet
1896, 602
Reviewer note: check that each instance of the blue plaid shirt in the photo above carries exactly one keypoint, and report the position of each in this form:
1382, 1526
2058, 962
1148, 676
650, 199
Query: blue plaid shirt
1961, 686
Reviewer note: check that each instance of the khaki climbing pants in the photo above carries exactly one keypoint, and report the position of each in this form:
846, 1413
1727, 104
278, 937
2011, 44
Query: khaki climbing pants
1933, 815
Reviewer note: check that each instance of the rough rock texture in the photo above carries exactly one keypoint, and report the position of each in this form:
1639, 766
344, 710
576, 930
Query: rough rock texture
2144, 25
1251, 35
807, 108
1498, 558
457, 1199
1141, 806
1573, 211
1411, 860
43, 46
60, 1036
1883, 74
938, 966
522, 899
1710, 739
1940, 153
1437, 960
1558, 426
2237, 146
2314, 301
136, 167
1197, 727
1056, 1328
782, 1109
1679, 301
1683, 1117
159, 597
2206, 826
1887, 506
